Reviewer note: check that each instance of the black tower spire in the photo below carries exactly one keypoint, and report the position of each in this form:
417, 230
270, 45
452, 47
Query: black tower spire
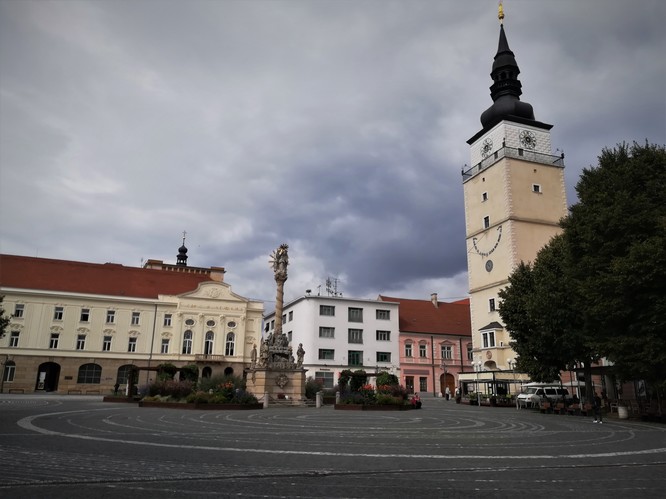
181, 259
506, 88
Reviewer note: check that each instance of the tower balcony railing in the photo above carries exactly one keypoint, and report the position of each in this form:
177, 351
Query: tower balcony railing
512, 152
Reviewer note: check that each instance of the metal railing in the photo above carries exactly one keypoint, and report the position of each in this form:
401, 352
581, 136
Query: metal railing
512, 152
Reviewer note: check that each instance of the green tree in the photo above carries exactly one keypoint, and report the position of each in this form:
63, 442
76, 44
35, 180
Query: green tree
616, 235
4, 319
597, 289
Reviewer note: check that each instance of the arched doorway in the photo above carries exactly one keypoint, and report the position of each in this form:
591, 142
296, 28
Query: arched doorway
228, 371
206, 372
48, 375
447, 380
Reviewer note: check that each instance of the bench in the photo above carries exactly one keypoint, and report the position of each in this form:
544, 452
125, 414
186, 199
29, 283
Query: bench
573, 409
560, 408
586, 410
545, 407
16, 390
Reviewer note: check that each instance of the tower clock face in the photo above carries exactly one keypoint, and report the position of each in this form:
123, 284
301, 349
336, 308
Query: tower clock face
527, 139
485, 250
486, 147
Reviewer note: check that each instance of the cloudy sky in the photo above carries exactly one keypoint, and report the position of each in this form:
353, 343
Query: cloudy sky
338, 127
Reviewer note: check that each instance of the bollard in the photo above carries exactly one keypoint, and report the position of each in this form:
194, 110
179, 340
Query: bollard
319, 397
266, 400
337, 397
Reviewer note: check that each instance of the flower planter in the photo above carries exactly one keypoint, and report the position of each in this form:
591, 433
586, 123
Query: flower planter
361, 407
196, 406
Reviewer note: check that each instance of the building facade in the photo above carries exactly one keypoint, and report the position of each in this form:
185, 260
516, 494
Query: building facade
79, 327
341, 333
435, 344
514, 199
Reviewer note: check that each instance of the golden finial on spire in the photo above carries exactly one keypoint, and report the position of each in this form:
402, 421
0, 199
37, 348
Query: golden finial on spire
500, 13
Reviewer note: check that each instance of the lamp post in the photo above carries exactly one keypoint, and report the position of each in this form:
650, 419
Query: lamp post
513, 378
478, 391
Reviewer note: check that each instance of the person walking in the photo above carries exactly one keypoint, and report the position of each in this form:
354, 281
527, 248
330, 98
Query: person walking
448, 393
596, 407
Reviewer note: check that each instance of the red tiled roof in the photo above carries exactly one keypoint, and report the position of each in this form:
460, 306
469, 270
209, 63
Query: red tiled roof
421, 316
93, 278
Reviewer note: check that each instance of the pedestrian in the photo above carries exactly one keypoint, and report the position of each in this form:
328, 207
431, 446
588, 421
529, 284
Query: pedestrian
596, 407
448, 393
416, 401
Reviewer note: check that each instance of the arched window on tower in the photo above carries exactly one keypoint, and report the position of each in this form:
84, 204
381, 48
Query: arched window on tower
208, 344
187, 342
231, 343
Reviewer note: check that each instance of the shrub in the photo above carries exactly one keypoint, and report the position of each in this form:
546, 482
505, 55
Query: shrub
189, 373
171, 388
343, 380
385, 399
312, 386
386, 378
358, 379
166, 371
216, 383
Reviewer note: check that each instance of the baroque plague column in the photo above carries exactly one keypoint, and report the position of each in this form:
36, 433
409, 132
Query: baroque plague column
275, 374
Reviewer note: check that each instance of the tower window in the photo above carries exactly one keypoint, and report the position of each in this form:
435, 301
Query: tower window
491, 304
58, 313
18, 311
85, 315
136, 316
536, 188
484, 196
486, 222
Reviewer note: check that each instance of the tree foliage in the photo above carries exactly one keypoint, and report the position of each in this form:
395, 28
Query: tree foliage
4, 320
597, 290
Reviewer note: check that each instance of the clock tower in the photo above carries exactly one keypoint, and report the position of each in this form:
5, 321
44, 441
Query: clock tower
514, 198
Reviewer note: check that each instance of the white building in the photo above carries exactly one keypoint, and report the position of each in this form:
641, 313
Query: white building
341, 333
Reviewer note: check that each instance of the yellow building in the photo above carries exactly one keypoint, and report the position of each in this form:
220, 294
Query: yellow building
79, 327
514, 198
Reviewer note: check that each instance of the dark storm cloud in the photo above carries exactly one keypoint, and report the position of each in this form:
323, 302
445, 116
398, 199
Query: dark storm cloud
337, 127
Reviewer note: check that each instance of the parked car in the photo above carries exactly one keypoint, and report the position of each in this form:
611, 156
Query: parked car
532, 395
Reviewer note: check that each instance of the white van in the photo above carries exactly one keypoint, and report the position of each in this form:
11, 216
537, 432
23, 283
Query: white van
532, 395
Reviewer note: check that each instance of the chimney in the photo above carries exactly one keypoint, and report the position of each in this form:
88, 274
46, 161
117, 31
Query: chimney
433, 299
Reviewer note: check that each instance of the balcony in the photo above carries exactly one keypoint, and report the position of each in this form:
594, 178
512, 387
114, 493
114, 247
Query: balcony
202, 357
512, 152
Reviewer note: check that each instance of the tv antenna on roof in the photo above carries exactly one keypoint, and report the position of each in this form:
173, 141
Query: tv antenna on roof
332, 286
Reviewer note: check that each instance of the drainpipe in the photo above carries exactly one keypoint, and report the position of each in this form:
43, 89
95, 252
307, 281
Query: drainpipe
432, 349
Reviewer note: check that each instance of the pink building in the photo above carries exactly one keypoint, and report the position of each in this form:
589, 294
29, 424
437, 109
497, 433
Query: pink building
435, 344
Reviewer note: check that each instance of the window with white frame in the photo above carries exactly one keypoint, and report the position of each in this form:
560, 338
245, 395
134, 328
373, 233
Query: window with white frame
131, 345
447, 352
9, 372
53, 341
85, 315
208, 343
19, 308
165, 345
536, 188
167, 320
383, 356
408, 350
383, 315
470, 352
355, 336
326, 354
187, 342
383, 335
81, 342
486, 222
327, 310
106, 344
423, 351
326, 332
110, 316
14, 339
291, 315
136, 316
230, 346
58, 313
491, 304
488, 339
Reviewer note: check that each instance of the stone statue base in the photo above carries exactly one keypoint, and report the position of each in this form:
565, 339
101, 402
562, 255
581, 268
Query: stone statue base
283, 386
